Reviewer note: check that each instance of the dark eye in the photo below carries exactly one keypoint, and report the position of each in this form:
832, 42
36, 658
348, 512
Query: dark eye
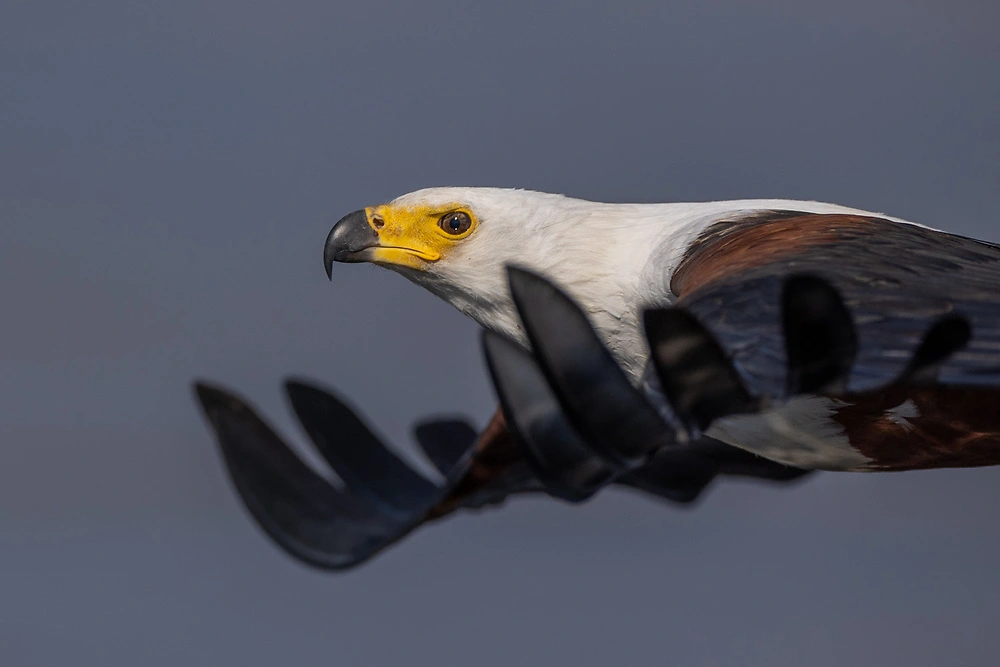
455, 223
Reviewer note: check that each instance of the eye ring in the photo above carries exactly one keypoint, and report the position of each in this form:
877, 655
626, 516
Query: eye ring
455, 223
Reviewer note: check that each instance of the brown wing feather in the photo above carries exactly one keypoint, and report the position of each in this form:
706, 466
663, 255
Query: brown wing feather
729, 249
497, 469
910, 427
896, 280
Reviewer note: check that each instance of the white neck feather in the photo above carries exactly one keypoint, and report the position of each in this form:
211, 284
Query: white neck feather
615, 259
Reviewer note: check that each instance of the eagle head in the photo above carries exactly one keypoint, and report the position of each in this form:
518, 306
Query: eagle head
457, 243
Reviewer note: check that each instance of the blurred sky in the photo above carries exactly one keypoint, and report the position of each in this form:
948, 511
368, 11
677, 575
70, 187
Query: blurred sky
168, 175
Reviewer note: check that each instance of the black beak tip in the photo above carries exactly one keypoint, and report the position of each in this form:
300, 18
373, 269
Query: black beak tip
351, 235
329, 253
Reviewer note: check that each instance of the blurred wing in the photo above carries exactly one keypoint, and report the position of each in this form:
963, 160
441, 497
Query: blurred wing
382, 499
896, 281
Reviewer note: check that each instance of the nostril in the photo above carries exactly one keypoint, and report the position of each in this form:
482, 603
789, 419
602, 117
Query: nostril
378, 223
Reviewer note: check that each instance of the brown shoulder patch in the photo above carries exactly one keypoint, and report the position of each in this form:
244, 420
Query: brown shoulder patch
910, 427
732, 247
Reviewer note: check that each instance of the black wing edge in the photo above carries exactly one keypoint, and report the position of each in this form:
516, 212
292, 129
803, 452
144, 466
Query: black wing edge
306, 515
554, 401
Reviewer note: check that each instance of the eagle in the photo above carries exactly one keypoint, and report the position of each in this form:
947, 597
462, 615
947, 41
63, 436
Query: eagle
652, 346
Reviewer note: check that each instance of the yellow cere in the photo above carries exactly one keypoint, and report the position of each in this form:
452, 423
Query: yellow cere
411, 236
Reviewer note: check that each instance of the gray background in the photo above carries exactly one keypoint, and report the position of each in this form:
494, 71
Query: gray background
167, 177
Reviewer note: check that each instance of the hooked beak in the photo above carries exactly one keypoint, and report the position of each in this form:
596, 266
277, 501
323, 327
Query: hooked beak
350, 240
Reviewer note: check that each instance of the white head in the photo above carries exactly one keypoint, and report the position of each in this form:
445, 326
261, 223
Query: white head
456, 242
